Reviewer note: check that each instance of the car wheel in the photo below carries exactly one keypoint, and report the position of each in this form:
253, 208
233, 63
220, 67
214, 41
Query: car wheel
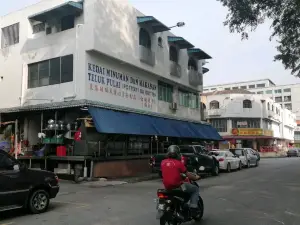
215, 170
228, 168
248, 164
38, 201
240, 166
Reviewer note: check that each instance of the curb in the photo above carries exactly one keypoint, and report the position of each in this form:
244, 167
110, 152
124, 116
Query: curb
140, 179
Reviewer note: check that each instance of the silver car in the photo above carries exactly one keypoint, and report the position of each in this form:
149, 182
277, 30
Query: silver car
293, 152
247, 156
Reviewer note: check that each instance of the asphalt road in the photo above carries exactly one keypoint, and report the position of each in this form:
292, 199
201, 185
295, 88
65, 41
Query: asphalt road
267, 195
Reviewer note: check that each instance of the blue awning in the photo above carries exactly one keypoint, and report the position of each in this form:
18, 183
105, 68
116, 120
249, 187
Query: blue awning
156, 25
198, 53
180, 42
116, 122
65, 9
204, 70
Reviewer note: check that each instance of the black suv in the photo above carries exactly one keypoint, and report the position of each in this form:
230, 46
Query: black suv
21, 187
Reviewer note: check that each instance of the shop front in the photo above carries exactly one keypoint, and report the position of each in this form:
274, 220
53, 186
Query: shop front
255, 138
83, 139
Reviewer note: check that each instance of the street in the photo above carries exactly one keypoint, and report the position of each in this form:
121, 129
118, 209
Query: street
267, 195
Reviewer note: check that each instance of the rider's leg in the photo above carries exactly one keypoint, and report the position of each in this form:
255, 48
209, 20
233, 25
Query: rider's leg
193, 190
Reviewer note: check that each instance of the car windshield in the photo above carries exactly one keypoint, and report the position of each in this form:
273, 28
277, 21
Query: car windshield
237, 151
186, 149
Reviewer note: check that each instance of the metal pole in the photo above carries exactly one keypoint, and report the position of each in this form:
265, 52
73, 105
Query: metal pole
42, 121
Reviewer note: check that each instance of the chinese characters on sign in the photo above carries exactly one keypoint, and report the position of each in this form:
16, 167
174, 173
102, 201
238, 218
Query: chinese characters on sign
124, 86
251, 132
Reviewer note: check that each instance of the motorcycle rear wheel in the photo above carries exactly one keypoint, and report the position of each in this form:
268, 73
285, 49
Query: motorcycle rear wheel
164, 221
201, 209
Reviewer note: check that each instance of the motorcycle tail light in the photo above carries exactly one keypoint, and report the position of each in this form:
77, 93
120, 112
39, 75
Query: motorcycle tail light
161, 195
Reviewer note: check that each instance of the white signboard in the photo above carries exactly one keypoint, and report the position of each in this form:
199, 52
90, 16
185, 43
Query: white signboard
123, 89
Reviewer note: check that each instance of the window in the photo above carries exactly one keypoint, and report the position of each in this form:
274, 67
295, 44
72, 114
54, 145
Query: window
278, 99
287, 98
227, 89
243, 87
288, 106
260, 85
247, 104
173, 54
38, 28
144, 38
235, 88
165, 92
297, 136
214, 105
273, 108
219, 124
268, 106
188, 99
251, 86
245, 123
10, 35
287, 90
269, 92
159, 41
183, 98
67, 22
260, 92
278, 91
6, 163
213, 89
49, 72
192, 65
205, 89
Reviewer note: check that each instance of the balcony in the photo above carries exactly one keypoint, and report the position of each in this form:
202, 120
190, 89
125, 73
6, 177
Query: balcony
195, 78
215, 112
147, 56
175, 69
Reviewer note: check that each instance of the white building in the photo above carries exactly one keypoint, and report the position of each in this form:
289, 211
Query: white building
285, 95
252, 120
102, 54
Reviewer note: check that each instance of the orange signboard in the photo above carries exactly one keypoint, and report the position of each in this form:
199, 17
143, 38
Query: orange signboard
251, 132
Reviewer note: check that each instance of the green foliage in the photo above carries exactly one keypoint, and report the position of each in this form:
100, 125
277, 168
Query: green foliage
246, 15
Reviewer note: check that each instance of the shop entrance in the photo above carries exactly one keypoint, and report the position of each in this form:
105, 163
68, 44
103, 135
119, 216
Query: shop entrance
247, 143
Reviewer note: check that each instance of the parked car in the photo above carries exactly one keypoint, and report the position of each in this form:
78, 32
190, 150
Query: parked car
194, 157
228, 161
25, 188
247, 156
293, 152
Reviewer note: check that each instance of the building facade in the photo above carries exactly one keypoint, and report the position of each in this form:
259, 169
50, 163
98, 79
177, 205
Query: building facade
250, 120
104, 56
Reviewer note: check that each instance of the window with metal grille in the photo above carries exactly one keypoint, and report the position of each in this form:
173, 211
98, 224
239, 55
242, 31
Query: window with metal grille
38, 28
214, 105
247, 104
10, 35
219, 124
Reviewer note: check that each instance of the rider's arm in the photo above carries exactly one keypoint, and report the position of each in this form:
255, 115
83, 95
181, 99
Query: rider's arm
190, 175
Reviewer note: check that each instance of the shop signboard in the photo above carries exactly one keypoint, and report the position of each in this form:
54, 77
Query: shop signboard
251, 132
110, 85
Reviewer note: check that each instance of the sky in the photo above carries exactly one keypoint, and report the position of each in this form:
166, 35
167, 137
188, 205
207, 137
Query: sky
232, 60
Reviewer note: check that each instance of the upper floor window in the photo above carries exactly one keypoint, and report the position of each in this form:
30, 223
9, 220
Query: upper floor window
192, 64
38, 28
173, 54
260, 85
260, 92
287, 90
288, 106
269, 92
227, 89
214, 105
188, 99
10, 35
165, 92
144, 38
243, 87
287, 98
235, 88
67, 22
247, 104
278, 91
160, 42
278, 99
252, 86
219, 124
268, 106
49, 72
273, 108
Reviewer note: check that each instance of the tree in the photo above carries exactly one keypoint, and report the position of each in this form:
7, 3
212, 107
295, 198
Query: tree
246, 15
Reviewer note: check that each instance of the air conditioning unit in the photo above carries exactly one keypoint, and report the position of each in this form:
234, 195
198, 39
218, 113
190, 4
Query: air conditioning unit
173, 106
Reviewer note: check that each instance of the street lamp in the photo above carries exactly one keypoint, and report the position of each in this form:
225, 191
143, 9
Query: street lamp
179, 24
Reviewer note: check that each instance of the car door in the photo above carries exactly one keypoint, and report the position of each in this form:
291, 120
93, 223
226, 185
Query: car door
204, 159
230, 159
13, 189
251, 156
234, 160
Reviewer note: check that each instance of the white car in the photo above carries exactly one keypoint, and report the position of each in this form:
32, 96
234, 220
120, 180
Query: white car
228, 161
247, 156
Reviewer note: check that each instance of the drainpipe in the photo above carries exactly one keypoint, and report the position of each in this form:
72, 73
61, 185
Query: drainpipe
77, 54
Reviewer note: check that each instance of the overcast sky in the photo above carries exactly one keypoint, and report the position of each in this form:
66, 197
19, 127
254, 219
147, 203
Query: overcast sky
233, 60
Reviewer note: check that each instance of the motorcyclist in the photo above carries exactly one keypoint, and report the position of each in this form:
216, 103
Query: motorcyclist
173, 171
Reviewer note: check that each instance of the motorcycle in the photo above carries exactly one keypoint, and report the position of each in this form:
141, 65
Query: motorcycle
172, 206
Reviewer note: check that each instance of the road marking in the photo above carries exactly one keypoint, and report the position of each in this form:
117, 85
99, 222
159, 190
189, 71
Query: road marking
79, 205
